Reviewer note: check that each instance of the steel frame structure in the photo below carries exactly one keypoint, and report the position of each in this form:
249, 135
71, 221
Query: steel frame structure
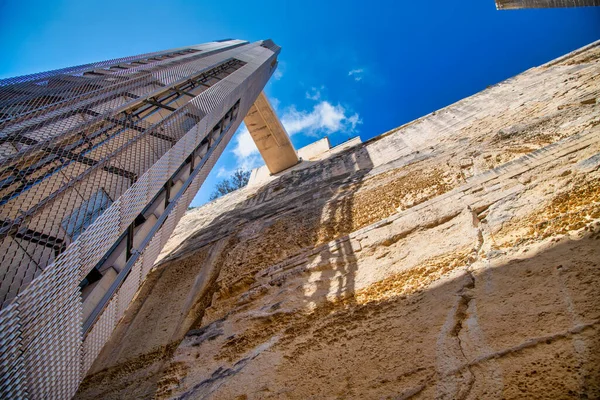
520, 4
97, 164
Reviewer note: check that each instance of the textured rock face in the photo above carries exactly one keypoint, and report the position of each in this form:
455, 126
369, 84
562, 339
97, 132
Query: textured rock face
455, 257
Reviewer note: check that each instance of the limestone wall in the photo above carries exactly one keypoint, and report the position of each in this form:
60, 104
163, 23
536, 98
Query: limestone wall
457, 256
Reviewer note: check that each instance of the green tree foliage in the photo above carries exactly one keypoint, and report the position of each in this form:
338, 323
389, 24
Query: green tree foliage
237, 180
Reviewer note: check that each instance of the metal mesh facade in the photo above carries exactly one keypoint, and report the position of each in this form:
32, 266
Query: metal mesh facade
98, 164
518, 4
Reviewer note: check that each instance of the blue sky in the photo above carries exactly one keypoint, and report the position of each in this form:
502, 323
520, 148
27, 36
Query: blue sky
347, 67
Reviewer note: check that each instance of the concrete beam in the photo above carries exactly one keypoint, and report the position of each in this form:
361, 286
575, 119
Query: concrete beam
517, 4
270, 136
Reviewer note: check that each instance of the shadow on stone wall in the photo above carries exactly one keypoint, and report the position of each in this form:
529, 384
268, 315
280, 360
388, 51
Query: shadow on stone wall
524, 327
291, 215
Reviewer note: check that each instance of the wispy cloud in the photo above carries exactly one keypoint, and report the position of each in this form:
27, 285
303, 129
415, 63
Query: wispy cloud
357, 74
274, 103
278, 74
314, 93
223, 172
324, 119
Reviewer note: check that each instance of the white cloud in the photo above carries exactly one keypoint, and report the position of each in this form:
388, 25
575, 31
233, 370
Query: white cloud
322, 120
274, 103
245, 151
223, 172
357, 74
314, 93
279, 71
354, 120
244, 146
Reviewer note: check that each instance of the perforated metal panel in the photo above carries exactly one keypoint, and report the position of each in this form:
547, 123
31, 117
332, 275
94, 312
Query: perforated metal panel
97, 164
518, 4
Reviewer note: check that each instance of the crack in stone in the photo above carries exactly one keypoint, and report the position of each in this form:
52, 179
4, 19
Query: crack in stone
465, 298
460, 316
529, 344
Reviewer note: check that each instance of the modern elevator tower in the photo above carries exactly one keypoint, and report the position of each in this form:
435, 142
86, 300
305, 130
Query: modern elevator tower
519, 4
97, 164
